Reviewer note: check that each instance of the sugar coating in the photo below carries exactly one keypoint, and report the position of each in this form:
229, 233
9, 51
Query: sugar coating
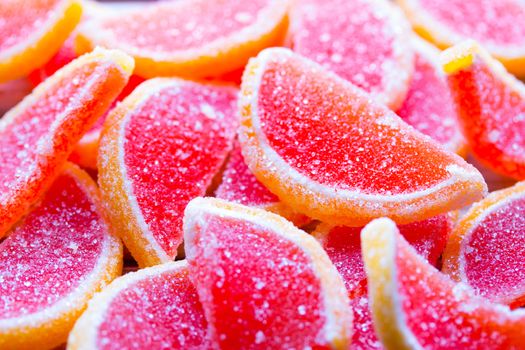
445, 315
429, 106
330, 132
159, 312
185, 25
174, 144
364, 337
494, 255
360, 40
500, 23
492, 114
258, 290
16, 28
49, 255
240, 185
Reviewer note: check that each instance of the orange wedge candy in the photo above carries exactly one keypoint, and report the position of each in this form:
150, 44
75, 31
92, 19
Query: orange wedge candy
37, 135
53, 262
262, 282
325, 149
32, 31
414, 306
485, 250
190, 38
491, 107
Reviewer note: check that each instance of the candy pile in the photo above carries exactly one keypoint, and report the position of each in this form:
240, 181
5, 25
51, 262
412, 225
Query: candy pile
150, 198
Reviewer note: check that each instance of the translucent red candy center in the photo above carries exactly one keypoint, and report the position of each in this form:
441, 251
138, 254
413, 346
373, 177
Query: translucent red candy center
16, 28
328, 131
489, 21
351, 38
52, 252
175, 142
277, 305
187, 25
495, 253
160, 312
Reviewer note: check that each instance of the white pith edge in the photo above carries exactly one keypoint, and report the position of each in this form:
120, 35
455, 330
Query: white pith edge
337, 311
387, 254
79, 296
267, 19
84, 335
431, 54
33, 38
445, 36
502, 202
249, 97
44, 144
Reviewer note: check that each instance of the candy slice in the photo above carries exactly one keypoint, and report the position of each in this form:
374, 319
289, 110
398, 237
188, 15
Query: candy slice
364, 41
491, 105
263, 283
32, 31
485, 251
414, 306
37, 135
153, 308
343, 246
429, 106
160, 148
497, 25
53, 262
319, 143
240, 186
191, 38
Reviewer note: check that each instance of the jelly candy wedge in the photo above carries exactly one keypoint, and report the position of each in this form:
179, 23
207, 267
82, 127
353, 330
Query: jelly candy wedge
325, 149
364, 41
191, 38
240, 186
491, 105
160, 148
38, 134
32, 31
262, 282
485, 250
153, 308
343, 246
497, 25
414, 306
53, 262
429, 106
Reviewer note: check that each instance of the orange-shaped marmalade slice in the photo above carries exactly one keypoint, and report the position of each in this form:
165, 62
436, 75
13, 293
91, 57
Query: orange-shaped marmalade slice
414, 306
190, 38
262, 282
32, 31
38, 134
491, 107
324, 148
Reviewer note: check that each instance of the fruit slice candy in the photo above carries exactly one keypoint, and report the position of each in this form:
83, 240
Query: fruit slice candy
53, 262
160, 148
364, 41
319, 143
153, 308
191, 38
38, 134
491, 105
429, 106
240, 186
263, 283
486, 250
497, 25
414, 306
343, 246
32, 31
